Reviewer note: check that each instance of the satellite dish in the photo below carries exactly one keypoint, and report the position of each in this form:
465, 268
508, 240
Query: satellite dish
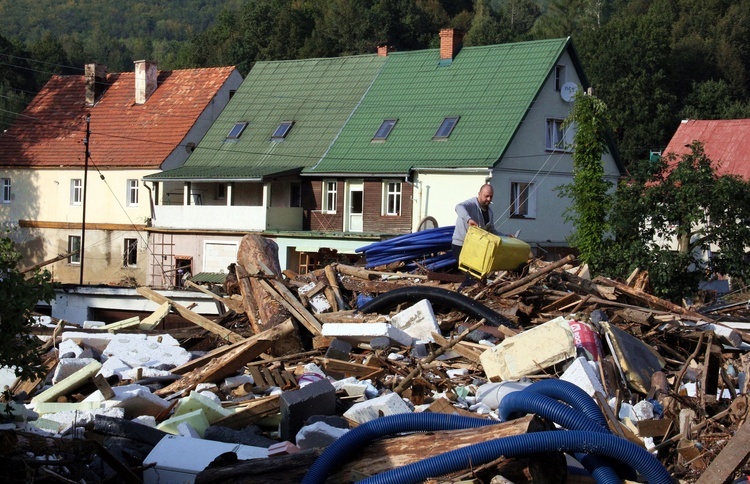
568, 90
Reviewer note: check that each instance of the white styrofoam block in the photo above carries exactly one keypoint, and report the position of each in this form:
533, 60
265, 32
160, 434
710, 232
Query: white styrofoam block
529, 352
384, 405
93, 324
7, 376
364, 332
147, 420
584, 375
134, 399
66, 420
69, 346
196, 418
138, 350
318, 434
114, 366
132, 374
235, 381
418, 321
177, 459
67, 366
729, 335
197, 401
96, 341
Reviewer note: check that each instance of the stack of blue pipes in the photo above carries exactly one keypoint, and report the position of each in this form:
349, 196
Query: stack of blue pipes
428, 249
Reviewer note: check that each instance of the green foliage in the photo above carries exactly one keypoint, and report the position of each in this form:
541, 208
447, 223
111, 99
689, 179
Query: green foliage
670, 214
18, 348
588, 192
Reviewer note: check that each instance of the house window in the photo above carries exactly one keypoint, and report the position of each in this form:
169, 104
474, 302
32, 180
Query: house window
76, 191
558, 136
384, 130
446, 128
559, 77
391, 197
522, 200
132, 193
329, 196
130, 254
74, 247
6, 190
295, 194
282, 130
237, 130
221, 191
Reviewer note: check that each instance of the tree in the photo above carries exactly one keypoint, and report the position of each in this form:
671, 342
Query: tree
681, 220
588, 192
18, 348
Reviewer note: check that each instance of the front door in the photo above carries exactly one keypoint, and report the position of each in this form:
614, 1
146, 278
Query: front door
355, 206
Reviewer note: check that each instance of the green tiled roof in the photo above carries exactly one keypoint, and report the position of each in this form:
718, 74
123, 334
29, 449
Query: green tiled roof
489, 87
319, 95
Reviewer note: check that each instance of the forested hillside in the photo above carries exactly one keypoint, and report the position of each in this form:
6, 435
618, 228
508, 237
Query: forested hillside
652, 62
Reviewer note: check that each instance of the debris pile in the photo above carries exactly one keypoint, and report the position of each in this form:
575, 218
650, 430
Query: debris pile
337, 374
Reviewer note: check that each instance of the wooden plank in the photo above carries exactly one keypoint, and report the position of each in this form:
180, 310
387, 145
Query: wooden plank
229, 363
571, 298
232, 304
348, 368
463, 350
123, 324
152, 320
731, 457
194, 318
250, 413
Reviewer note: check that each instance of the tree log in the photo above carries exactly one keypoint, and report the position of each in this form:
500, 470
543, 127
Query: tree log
253, 250
390, 453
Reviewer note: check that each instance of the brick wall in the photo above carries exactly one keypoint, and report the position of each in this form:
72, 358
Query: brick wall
373, 221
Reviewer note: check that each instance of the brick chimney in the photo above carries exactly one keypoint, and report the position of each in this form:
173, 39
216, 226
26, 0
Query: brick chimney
95, 75
384, 50
451, 41
145, 80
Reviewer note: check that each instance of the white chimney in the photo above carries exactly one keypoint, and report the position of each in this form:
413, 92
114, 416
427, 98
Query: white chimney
145, 80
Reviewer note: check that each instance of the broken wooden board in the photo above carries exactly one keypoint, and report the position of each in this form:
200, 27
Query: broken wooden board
251, 412
228, 364
152, 320
194, 318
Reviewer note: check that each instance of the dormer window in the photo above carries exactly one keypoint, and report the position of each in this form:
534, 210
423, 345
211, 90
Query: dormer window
237, 130
446, 128
384, 130
282, 130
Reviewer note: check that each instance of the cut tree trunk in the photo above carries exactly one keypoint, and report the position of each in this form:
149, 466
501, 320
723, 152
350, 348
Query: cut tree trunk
253, 250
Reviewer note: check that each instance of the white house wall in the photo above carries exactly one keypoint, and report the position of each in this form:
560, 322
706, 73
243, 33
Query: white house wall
42, 198
436, 194
547, 170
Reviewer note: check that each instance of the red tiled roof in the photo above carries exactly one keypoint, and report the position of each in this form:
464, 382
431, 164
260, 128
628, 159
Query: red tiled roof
51, 130
726, 143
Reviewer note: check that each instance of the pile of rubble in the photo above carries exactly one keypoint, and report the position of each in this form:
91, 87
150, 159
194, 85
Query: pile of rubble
300, 368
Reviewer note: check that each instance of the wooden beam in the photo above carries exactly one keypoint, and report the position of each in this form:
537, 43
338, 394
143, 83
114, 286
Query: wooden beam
731, 457
194, 318
229, 363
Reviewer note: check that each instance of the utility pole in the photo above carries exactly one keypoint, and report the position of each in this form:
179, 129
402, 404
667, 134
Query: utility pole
85, 183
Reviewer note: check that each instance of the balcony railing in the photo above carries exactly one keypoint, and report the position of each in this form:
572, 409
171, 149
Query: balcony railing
221, 217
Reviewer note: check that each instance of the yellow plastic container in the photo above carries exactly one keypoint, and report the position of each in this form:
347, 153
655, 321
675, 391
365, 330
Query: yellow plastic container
484, 252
